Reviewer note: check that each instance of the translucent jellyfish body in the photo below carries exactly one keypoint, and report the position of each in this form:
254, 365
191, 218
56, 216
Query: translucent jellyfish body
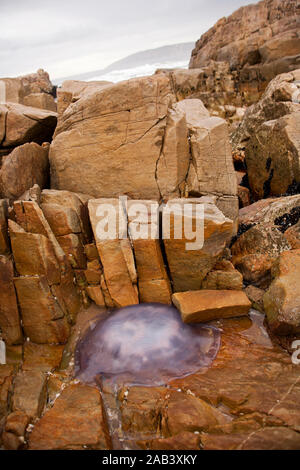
146, 344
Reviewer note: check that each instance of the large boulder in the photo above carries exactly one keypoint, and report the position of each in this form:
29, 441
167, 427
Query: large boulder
269, 135
132, 138
24, 167
34, 90
21, 124
258, 41
282, 300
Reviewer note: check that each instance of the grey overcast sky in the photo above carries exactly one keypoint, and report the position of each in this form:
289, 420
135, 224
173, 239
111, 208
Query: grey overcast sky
66, 37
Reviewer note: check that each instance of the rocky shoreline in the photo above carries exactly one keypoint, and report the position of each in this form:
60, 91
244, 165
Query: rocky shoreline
222, 137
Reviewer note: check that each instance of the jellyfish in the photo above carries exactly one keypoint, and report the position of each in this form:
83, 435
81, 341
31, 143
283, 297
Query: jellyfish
145, 344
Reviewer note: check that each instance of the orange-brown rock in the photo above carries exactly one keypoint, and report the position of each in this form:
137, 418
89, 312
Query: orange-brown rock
72, 90
293, 236
15, 427
73, 248
30, 393
31, 90
9, 313
76, 421
43, 318
24, 124
282, 300
153, 281
6, 382
95, 293
44, 357
62, 220
255, 251
268, 135
205, 305
116, 257
22, 168
189, 267
257, 41
224, 276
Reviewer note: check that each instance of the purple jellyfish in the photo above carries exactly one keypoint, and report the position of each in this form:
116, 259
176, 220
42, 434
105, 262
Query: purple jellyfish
144, 344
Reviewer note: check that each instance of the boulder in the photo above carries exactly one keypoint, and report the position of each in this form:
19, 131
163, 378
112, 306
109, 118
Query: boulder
269, 136
257, 42
22, 124
76, 421
24, 167
110, 131
189, 259
30, 393
205, 305
14, 432
223, 277
255, 251
293, 236
34, 90
282, 300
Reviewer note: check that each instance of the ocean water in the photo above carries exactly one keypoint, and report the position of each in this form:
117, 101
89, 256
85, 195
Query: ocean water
141, 71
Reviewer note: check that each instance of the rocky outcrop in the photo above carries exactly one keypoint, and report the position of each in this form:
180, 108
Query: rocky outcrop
282, 300
100, 151
268, 135
257, 41
35, 90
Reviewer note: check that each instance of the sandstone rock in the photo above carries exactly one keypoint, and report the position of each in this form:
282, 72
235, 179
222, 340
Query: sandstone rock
73, 248
202, 306
72, 90
255, 251
31, 90
43, 319
281, 302
279, 212
62, 220
244, 196
257, 41
223, 277
95, 293
293, 236
91, 252
25, 124
189, 267
15, 427
9, 313
256, 296
44, 357
93, 272
117, 130
34, 254
22, 168
184, 440
29, 393
268, 134
153, 281
6, 381
118, 265
76, 421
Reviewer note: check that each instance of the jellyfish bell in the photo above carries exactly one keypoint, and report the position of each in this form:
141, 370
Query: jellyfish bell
145, 344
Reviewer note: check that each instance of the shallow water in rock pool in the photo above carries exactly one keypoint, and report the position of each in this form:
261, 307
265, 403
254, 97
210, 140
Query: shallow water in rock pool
144, 344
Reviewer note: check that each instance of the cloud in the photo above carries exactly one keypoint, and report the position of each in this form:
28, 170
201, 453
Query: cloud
77, 36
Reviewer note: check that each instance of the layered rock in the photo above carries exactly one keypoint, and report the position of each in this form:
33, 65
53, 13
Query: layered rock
102, 139
206, 305
269, 136
34, 90
257, 41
